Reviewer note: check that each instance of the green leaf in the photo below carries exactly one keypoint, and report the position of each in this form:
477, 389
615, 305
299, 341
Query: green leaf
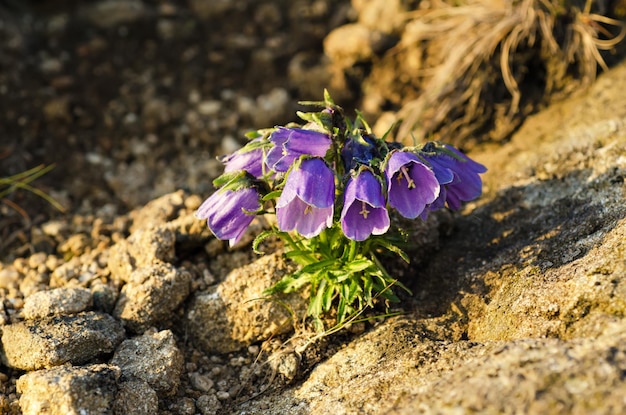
272, 195
306, 116
260, 238
315, 307
228, 178
354, 290
360, 120
22, 180
289, 283
251, 135
328, 296
341, 309
368, 286
317, 266
328, 100
358, 265
393, 248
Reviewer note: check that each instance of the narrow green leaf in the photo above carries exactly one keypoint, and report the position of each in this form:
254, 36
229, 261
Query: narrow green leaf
228, 178
358, 265
272, 195
260, 238
317, 266
328, 296
315, 306
393, 248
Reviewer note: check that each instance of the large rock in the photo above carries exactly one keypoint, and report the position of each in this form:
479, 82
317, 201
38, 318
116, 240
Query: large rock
237, 313
522, 309
152, 358
45, 343
68, 390
151, 296
55, 302
153, 287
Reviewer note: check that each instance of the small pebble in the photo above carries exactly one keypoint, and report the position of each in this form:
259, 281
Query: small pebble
208, 404
200, 382
222, 395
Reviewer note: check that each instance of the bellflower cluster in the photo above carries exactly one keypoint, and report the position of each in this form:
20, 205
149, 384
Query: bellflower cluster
333, 187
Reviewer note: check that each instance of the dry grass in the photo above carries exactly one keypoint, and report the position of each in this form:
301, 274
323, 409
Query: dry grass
483, 65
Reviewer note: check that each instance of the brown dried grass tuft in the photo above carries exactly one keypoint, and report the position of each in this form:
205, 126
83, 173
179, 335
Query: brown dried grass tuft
483, 65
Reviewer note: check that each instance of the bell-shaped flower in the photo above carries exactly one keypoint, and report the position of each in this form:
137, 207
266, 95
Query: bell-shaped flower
364, 212
291, 143
411, 185
459, 176
307, 201
244, 159
229, 212
359, 150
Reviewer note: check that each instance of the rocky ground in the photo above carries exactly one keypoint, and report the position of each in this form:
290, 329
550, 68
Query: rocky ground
125, 303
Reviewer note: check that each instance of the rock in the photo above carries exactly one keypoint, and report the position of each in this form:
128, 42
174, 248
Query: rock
235, 314
56, 302
110, 13
153, 358
68, 390
9, 278
75, 245
208, 404
104, 297
200, 382
76, 339
387, 16
211, 9
271, 107
309, 76
349, 44
151, 296
546, 376
135, 397
154, 287
403, 368
142, 248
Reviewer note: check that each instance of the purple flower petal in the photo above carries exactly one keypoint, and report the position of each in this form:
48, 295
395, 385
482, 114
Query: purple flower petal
291, 143
308, 221
364, 211
250, 161
225, 212
313, 182
466, 183
411, 184
307, 201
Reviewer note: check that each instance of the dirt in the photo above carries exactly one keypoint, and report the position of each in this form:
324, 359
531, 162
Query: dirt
138, 104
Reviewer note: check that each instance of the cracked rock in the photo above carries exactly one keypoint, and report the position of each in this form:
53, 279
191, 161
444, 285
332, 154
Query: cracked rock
153, 358
68, 390
77, 339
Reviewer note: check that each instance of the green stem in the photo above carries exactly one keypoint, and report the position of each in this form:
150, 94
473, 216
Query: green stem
297, 246
353, 250
324, 237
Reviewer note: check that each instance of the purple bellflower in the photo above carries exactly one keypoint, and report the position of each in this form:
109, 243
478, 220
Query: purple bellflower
307, 201
358, 150
250, 161
411, 185
229, 212
291, 143
459, 177
364, 211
